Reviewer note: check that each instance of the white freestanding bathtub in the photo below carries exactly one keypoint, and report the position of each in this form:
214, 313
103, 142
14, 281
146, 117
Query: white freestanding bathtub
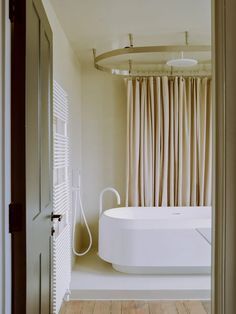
156, 240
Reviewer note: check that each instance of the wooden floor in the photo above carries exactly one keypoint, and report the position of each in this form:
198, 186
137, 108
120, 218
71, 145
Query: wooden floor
135, 307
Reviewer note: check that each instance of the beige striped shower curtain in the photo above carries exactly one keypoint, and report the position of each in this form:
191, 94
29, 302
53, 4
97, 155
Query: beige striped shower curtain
169, 141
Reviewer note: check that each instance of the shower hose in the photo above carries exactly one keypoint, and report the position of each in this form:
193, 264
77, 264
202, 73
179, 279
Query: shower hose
78, 198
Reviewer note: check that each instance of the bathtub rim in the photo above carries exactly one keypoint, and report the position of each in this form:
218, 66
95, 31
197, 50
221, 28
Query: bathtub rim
106, 212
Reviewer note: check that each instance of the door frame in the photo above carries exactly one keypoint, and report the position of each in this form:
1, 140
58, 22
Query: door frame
223, 22
19, 216
18, 157
5, 184
224, 248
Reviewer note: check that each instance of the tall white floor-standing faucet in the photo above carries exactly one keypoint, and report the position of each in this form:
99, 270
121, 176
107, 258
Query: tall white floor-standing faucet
101, 198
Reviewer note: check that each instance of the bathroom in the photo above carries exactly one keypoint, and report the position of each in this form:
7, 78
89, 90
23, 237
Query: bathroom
157, 158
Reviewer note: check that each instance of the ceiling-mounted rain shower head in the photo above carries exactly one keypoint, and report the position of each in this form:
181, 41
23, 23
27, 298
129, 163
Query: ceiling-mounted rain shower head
182, 62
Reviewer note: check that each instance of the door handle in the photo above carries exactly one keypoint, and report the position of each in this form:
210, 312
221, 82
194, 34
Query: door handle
56, 216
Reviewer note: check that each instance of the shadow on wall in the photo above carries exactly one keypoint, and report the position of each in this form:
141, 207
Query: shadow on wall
103, 143
81, 232
82, 237
79, 237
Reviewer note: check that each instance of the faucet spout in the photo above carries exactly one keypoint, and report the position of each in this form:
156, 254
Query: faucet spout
101, 198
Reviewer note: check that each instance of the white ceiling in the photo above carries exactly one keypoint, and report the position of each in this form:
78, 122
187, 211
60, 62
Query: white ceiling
105, 24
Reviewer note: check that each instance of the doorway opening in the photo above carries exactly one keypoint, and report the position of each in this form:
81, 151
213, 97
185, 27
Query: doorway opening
110, 133
169, 122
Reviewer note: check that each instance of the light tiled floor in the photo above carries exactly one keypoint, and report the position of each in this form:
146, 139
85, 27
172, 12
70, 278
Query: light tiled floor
135, 307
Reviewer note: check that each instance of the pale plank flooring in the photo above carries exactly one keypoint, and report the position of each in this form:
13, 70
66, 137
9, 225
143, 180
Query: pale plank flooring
136, 307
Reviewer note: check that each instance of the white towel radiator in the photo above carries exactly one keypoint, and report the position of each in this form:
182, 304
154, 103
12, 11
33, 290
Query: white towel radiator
61, 242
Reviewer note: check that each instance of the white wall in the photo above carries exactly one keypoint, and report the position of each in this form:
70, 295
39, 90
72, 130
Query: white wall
67, 72
97, 125
103, 141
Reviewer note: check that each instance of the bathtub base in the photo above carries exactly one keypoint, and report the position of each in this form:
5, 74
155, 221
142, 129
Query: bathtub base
157, 241
155, 270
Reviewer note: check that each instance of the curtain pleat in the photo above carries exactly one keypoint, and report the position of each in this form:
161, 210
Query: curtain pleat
165, 131
157, 142
171, 185
169, 141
